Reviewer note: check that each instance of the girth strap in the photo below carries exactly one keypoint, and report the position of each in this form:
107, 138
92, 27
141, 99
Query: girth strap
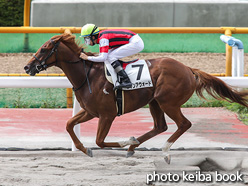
120, 102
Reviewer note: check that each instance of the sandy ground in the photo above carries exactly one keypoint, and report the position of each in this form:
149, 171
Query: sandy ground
208, 62
111, 167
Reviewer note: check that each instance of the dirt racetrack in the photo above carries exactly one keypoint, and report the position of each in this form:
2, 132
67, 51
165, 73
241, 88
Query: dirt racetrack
208, 62
112, 168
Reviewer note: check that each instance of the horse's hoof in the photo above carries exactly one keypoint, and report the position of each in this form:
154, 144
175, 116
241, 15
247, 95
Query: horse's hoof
130, 153
89, 152
167, 159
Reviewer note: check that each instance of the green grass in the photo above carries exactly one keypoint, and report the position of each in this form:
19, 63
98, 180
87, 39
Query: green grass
32, 98
183, 43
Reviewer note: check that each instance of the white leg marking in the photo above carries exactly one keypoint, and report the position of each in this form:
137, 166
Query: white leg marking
166, 147
131, 141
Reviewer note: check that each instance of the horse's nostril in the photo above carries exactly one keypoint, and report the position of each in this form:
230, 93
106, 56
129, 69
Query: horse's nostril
26, 68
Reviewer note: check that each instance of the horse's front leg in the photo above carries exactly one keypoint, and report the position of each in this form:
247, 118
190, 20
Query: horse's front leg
80, 117
104, 125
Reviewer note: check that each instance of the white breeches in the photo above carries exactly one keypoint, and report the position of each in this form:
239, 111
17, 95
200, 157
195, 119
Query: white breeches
134, 46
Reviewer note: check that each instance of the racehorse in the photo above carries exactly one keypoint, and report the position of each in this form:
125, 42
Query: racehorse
173, 84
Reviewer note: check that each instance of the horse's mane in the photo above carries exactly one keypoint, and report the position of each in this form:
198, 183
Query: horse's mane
69, 40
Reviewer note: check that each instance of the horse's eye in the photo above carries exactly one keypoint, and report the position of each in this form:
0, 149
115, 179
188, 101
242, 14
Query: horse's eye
43, 50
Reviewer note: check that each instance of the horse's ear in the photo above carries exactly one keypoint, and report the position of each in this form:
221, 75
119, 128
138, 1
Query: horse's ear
55, 38
67, 31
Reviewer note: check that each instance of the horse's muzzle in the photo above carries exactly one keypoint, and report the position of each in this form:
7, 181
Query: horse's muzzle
31, 70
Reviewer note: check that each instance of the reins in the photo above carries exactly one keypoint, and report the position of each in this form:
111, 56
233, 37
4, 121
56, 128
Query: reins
86, 79
44, 66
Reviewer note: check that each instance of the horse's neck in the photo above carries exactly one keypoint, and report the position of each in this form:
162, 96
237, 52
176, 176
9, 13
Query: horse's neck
75, 73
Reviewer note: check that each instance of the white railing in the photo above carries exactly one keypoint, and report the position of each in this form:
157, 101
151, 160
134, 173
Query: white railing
34, 82
63, 82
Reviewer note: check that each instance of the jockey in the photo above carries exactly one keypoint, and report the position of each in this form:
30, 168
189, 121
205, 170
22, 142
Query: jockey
114, 44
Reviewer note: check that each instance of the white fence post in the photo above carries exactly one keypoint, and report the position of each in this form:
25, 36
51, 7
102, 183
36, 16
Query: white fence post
234, 61
76, 109
240, 63
237, 55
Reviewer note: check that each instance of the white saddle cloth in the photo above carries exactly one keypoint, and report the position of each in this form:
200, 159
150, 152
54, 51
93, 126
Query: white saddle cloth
137, 72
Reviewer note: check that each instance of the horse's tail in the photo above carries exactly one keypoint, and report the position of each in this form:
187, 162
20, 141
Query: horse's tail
218, 88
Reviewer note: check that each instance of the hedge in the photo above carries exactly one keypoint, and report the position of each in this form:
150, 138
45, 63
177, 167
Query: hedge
11, 12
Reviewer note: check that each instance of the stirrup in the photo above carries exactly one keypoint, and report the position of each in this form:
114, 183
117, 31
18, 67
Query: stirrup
121, 86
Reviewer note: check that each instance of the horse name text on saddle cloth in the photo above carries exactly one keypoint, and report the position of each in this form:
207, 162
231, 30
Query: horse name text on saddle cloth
138, 73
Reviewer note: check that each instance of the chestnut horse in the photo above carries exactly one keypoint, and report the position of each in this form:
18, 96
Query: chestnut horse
173, 84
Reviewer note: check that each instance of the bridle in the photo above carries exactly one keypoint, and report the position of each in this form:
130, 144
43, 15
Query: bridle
43, 66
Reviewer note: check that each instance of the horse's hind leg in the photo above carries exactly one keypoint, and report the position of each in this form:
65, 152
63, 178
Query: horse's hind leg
81, 116
159, 126
183, 125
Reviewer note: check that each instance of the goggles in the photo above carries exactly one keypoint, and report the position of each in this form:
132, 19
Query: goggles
87, 40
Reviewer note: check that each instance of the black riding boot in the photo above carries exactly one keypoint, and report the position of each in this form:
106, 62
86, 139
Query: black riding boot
124, 79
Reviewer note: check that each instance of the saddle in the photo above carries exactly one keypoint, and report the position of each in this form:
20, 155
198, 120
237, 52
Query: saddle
123, 64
